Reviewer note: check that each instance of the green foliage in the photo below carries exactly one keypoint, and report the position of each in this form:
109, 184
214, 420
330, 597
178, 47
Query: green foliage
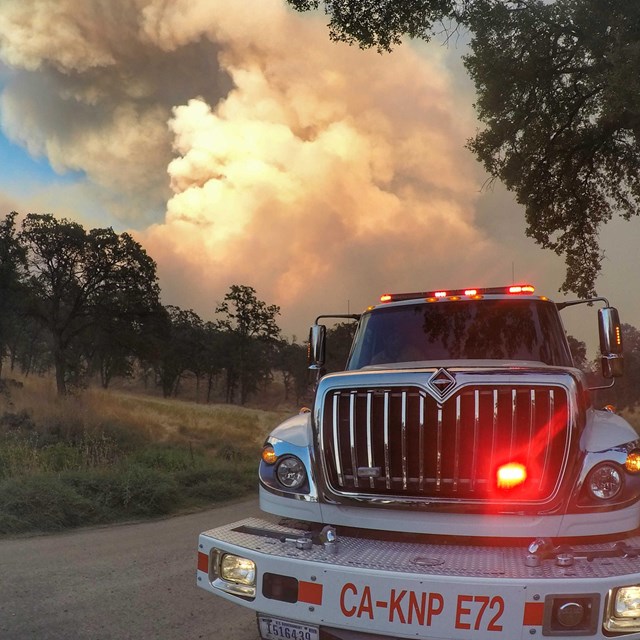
12, 268
578, 352
82, 281
249, 330
339, 340
66, 469
625, 394
380, 23
558, 88
42, 503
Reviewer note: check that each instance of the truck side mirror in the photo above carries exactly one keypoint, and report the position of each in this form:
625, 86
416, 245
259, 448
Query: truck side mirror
612, 360
317, 339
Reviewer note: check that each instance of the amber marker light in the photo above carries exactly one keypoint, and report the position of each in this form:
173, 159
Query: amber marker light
632, 463
385, 297
521, 288
269, 455
511, 475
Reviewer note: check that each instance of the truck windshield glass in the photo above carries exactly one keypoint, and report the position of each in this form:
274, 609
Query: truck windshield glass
460, 330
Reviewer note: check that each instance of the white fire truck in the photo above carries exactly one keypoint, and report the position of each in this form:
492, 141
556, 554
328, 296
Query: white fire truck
455, 482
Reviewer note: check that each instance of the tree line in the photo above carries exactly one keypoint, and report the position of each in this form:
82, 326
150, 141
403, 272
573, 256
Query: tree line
86, 305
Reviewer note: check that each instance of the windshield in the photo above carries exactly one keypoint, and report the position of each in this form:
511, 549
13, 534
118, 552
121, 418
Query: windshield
460, 330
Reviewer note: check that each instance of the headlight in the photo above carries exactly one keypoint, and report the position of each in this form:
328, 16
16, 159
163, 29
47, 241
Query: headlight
238, 569
623, 609
605, 482
291, 473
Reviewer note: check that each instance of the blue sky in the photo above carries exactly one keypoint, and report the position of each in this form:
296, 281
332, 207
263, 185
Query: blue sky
21, 172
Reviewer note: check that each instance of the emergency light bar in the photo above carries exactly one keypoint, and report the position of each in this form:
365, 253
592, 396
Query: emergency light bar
518, 289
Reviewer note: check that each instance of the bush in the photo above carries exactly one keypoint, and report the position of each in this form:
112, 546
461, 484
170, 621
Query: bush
42, 503
167, 457
127, 490
218, 481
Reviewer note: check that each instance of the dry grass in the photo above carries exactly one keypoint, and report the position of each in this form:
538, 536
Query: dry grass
103, 455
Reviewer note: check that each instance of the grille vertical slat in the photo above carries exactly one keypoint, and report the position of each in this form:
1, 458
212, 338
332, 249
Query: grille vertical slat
370, 436
532, 419
415, 445
387, 464
456, 455
476, 427
404, 440
352, 437
494, 428
547, 448
514, 408
336, 437
421, 444
439, 451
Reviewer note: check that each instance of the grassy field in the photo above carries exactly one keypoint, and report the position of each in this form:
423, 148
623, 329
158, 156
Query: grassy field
106, 456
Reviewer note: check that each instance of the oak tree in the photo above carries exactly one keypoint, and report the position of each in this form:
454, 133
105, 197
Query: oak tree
250, 331
82, 280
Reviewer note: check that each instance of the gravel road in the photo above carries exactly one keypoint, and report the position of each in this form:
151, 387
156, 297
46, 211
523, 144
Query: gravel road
123, 581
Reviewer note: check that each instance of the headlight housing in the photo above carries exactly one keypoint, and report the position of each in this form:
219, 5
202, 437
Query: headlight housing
291, 473
623, 609
605, 481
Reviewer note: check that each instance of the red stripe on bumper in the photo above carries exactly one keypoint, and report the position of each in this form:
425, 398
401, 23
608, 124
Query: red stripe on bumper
533, 614
203, 562
310, 592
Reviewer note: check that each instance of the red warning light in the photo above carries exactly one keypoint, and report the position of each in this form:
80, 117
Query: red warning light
511, 475
440, 294
385, 297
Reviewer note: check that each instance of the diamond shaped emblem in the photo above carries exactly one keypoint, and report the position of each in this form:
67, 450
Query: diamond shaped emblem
442, 382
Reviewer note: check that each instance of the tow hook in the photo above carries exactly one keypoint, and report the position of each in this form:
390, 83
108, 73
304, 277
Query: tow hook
329, 539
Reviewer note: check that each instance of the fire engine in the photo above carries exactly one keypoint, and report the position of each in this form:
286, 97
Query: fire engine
454, 482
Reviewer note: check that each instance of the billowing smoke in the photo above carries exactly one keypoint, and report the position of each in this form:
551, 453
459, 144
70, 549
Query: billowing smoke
317, 173
91, 92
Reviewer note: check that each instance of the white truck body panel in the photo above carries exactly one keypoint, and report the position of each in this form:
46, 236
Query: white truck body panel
417, 589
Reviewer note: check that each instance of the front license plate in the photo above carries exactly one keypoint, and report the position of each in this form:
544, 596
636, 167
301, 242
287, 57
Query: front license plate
276, 629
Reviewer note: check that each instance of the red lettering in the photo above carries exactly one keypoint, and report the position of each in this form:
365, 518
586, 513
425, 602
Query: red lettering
365, 604
418, 609
347, 587
493, 625
395, 605
463, 611
484, 600
434, 610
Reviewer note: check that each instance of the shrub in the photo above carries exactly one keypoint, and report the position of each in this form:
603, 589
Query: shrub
167, 457
218, 481
42, 503
127, 490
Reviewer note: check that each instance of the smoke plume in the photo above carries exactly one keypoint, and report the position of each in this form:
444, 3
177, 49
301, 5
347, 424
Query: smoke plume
246, 148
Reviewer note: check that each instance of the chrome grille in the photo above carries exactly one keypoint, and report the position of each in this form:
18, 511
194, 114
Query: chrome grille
402, 441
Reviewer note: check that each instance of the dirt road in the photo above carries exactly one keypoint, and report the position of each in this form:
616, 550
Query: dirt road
126, 582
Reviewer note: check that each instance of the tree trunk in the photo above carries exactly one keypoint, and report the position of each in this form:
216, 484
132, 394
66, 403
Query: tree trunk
59, 362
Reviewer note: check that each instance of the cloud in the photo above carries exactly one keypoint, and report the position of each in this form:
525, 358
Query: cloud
326, 172
320, 174
93, 94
